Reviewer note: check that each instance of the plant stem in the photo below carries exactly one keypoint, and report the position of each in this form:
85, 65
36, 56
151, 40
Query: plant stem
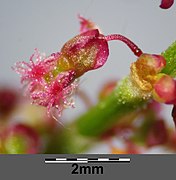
125, 99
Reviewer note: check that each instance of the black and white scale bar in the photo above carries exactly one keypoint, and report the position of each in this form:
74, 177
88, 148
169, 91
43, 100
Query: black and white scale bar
86, 160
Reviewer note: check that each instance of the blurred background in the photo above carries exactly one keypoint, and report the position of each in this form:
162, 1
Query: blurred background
47, 25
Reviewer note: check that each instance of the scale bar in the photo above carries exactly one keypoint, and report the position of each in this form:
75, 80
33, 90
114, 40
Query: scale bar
85, 160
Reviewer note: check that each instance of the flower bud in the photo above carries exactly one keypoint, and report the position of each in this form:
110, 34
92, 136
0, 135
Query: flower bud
165, 4
84, 52
164, 89
143, 71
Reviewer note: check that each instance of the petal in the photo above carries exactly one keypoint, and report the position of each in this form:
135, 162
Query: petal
165, 4
86, 24
84, 52
79, 41
102, 53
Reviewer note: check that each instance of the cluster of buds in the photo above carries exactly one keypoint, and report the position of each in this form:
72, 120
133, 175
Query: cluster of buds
147, 75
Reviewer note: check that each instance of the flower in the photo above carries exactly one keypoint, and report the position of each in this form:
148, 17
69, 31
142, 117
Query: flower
51, 80
165, 4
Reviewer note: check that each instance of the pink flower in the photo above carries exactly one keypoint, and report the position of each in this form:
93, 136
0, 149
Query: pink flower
165, 4
51, 80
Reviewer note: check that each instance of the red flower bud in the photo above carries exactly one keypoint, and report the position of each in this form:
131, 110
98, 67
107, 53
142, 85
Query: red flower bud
165, 4
144, 70
164, 89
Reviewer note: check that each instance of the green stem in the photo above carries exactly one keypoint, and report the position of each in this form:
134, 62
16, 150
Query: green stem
125, 99
170, 56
